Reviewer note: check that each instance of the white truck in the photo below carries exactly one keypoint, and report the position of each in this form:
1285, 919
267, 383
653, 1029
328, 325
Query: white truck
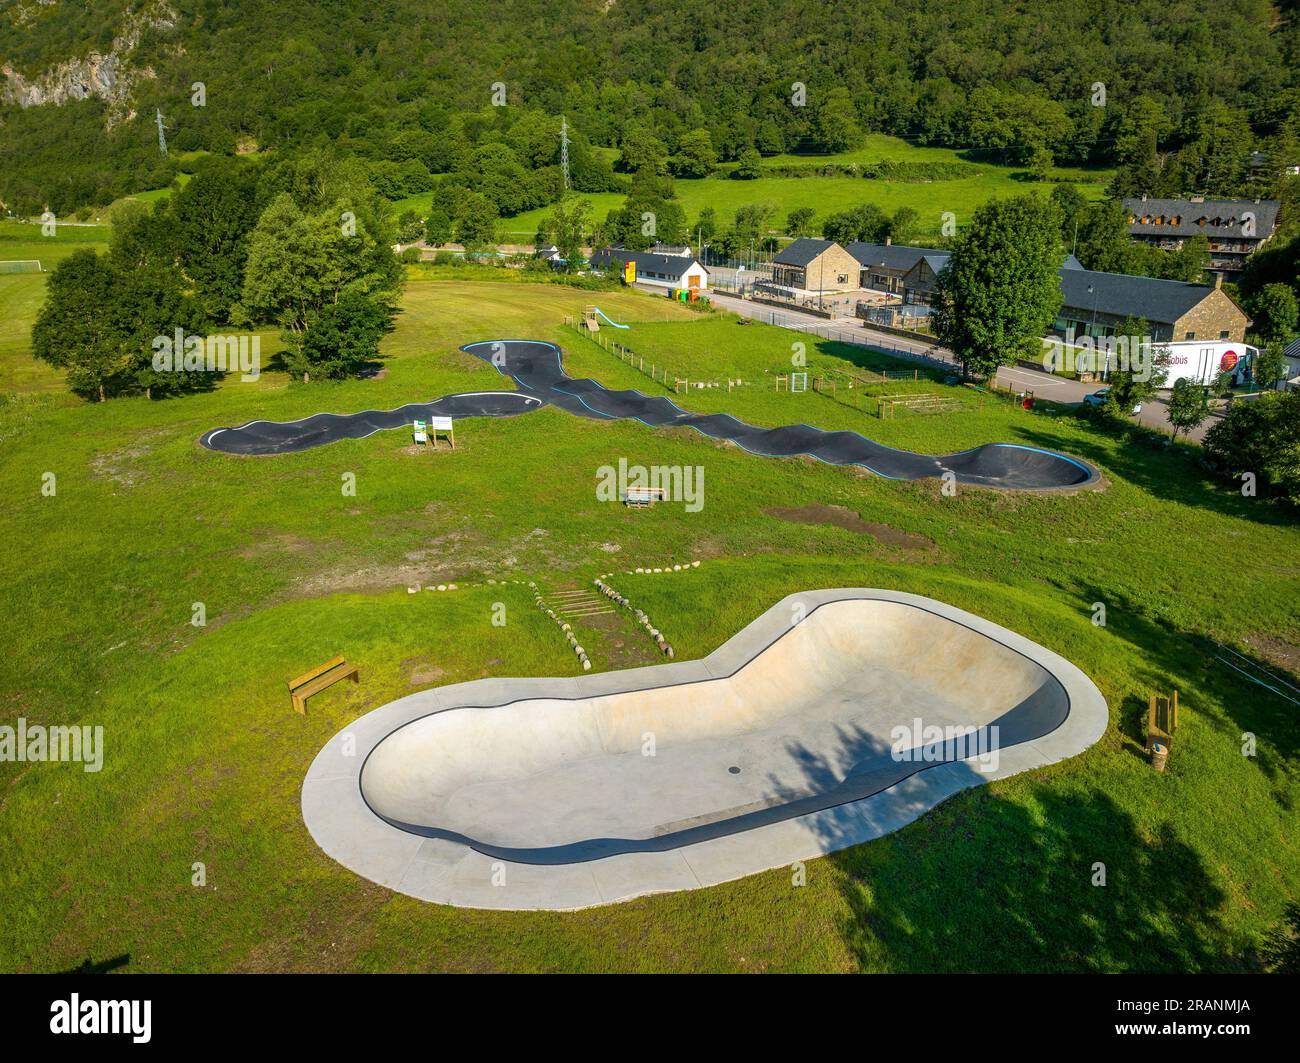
1201, 361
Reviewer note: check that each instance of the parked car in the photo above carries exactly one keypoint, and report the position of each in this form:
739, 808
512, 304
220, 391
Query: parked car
1099, 398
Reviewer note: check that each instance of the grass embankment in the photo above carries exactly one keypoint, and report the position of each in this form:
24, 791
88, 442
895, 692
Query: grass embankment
98, 586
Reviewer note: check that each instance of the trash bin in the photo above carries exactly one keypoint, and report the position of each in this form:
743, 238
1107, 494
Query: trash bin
1159, 755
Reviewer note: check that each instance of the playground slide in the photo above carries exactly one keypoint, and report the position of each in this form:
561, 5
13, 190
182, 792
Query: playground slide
607, 320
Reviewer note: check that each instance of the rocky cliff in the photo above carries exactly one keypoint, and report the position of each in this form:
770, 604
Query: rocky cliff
110, 76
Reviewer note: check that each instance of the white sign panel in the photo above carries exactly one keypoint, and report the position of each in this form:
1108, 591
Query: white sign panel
440, 424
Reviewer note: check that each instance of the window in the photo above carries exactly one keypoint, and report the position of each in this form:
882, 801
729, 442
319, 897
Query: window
841, 278
1224, 334
1189, 336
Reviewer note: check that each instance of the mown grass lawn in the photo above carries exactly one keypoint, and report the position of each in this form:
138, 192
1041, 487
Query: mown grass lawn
99, 584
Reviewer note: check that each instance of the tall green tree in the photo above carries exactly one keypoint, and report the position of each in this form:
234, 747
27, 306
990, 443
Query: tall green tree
567, 228
1187, 409
214, 216
342, 339
1261, 437
695, 156
283, 281
1139, 369
74, 333
476, 221
837, 121
1000, 291
1274, 311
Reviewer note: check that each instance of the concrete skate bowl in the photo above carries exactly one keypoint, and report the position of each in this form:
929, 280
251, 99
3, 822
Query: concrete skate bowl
792, 740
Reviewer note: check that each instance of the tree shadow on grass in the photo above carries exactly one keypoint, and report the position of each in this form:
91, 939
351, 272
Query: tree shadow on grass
1186, 661
1058, 878
987, 884
871, 359
89, 966
1171, 473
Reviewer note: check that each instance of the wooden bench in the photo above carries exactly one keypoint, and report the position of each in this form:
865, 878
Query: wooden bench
1162, 720
642, 496
318, 679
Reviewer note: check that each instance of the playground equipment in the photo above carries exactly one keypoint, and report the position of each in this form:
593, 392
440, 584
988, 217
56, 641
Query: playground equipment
318, 679
589, 319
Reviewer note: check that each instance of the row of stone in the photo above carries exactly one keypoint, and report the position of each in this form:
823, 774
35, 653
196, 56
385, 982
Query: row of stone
565, 628
609, 592
646, 571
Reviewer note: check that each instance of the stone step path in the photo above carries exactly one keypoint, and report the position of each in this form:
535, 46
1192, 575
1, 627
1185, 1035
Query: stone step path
579, 603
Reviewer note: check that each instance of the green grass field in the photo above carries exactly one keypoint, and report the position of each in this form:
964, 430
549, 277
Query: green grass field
99, 584
827, 195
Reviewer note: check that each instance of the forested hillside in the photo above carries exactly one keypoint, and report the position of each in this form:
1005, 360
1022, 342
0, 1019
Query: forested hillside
1176, 94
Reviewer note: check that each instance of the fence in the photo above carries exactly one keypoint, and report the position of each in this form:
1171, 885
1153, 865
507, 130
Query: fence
916, 351
661, 375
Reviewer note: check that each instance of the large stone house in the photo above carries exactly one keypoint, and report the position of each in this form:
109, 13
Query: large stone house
1235, 228
1095, 304
898, 269
810, 265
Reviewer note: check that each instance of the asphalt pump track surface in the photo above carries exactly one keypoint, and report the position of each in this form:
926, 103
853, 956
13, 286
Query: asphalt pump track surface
537, 369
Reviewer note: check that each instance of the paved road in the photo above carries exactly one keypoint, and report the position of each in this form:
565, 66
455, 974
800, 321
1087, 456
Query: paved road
850, 330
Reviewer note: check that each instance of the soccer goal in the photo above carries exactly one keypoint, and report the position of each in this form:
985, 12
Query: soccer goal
21, 265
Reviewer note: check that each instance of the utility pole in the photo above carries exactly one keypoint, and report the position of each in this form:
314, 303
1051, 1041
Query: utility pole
564, 150
162, 136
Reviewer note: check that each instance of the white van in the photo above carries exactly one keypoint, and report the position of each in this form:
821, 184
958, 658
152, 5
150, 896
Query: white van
1201, 361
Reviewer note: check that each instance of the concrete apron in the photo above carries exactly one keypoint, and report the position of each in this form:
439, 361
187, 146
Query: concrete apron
772, 652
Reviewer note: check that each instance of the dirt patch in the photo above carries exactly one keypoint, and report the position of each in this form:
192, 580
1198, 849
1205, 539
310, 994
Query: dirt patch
621, 643
272, 545
122, 465
1276, 651
423, 672
843, 517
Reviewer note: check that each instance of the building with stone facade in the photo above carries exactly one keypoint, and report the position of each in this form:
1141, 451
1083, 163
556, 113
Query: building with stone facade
810, 265
1235, 228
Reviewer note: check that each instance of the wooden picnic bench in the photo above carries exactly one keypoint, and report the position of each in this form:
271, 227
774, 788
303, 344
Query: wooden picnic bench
1162, 720
318, 679
642, 496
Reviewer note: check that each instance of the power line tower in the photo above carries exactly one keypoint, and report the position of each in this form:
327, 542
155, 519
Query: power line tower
162, 135
564, 150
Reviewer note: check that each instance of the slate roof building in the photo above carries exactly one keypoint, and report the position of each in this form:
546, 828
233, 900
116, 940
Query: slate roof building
812, 265
1235, 228
1095, 304
660, 271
